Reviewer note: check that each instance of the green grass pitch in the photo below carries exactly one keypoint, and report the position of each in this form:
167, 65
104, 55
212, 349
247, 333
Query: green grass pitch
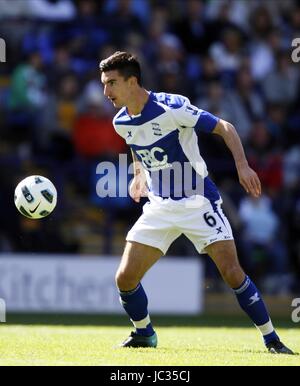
51, 340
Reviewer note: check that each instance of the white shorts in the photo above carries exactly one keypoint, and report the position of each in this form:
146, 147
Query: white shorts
163, 221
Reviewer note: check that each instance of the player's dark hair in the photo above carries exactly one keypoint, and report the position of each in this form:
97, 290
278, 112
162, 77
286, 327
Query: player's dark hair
125, 63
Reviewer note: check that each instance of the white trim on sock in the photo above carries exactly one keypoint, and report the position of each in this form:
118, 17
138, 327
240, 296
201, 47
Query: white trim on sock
266, 329
142, 323
243, 287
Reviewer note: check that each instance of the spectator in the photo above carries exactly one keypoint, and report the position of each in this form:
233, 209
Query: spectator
291, 167
157, 27
28, 88
191, 28
28, 96
125, 17
10, 9
60, 10
261, 47
215, 100
94, 136
227, 54
281, 85
219, 15
59, 118
60, 65
84, 35
263, 247
265, 159
244, 103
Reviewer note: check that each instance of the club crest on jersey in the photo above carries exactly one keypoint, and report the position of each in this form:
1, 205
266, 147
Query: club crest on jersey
156, 129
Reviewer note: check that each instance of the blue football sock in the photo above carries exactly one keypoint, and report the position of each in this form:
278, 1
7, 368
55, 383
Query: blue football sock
135, 303
251, 302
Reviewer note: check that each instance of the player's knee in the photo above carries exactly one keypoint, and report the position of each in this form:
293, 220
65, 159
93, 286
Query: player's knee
126, 281
233, 275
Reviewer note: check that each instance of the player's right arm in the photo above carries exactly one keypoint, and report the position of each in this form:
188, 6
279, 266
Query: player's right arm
138, 187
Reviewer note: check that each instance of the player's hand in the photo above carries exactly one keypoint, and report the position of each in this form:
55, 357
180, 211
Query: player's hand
249, 180
138, 188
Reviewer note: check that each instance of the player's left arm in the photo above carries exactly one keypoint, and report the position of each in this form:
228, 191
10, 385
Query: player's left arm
247, 176
203, 121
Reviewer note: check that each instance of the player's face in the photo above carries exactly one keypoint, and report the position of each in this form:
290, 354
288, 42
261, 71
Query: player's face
116, 88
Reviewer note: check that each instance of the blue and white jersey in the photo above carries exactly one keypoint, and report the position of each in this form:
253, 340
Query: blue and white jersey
163, 138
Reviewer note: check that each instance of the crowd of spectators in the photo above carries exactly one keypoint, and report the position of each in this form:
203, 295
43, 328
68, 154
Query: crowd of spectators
230, 57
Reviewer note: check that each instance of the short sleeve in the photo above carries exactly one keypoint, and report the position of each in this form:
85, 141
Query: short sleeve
191, 116
206, 122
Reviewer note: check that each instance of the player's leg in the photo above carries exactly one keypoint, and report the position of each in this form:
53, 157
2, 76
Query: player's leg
149, 239
224, 255
137, 259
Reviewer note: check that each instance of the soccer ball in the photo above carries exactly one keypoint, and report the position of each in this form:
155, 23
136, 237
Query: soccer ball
35, 197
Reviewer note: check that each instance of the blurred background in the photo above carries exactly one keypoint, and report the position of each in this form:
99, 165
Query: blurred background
232, 58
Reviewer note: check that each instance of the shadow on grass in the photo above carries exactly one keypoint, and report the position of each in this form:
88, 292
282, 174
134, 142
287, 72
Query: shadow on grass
121, 320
